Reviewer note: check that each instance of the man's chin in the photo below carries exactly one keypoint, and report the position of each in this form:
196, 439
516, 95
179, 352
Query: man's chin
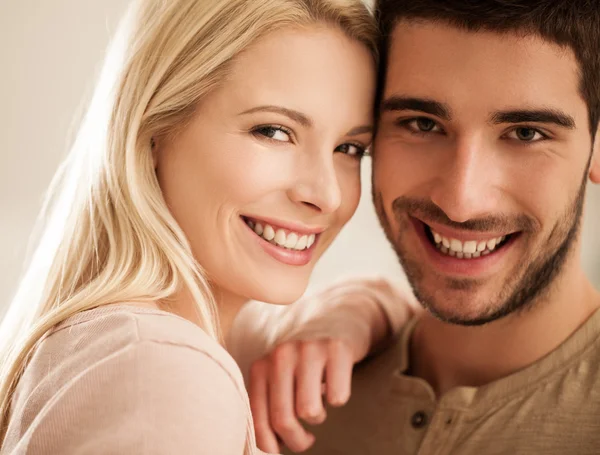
462, 310
466, 320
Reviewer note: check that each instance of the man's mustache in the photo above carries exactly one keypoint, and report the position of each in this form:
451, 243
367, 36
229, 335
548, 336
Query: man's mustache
427, 211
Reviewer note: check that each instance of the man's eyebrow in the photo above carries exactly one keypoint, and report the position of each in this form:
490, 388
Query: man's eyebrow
427, 106
296, 116
357, 131
534, 116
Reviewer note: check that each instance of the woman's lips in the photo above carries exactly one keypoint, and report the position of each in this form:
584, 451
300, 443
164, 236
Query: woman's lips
287, 247
281, 236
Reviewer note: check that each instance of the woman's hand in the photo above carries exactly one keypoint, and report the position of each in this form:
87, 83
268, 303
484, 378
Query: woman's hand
311, 362
290, 385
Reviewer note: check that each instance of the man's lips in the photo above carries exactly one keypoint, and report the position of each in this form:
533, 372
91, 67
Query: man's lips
465, 235
463, 253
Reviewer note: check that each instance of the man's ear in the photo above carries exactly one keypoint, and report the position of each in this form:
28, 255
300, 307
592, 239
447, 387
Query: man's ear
595, 165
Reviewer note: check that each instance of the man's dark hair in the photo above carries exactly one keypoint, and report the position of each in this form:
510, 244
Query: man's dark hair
570, 23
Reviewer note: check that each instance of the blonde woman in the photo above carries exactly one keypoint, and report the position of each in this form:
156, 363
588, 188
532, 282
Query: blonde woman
218, 160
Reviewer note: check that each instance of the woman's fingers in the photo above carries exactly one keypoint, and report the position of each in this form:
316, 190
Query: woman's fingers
309, 382
287, 386
259, 404
283, 364
338, 373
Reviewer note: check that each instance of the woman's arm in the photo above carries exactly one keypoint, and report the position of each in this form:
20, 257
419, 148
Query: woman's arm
285, 352
362, 311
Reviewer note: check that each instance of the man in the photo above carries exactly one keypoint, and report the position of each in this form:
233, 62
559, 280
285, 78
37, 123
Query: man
488, 133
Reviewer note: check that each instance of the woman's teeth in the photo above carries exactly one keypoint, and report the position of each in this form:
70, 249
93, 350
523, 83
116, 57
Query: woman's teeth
290, 241
471, 249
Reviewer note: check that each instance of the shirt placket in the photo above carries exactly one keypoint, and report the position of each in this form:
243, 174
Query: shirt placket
441, 433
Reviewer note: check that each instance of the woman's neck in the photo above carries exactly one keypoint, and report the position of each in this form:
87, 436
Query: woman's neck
228, 306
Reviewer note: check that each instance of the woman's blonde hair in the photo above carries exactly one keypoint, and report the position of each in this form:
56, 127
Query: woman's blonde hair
107, 235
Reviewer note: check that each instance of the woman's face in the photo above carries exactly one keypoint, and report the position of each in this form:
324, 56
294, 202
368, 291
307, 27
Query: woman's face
267, 172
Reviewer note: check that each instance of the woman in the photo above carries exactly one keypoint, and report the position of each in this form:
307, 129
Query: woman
218, 160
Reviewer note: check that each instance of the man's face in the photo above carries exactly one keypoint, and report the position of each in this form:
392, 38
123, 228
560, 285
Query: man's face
480, 166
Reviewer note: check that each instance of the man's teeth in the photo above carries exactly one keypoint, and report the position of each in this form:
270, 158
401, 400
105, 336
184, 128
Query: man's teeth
469, 249
290, 241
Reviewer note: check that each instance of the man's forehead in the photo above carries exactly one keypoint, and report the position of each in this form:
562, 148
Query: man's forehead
434, 60
420, 35
408, 25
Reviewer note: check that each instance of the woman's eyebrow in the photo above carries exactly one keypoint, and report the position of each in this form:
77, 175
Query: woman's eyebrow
358, 130
296, 116
303, 119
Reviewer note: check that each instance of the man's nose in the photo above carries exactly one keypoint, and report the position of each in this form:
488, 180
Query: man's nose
465, 186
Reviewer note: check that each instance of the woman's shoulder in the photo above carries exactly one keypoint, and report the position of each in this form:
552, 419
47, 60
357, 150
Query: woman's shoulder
129, 339
123, 362
129, 342
106, 330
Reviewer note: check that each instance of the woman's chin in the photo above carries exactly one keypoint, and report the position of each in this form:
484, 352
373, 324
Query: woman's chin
283, 292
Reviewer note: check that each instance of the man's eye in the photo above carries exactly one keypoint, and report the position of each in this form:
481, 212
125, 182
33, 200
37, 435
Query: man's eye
526, 134
276, 133
421, 125
352, 150
425, 124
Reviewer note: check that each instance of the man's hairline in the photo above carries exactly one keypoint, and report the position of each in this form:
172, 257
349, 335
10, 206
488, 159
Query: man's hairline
593, 130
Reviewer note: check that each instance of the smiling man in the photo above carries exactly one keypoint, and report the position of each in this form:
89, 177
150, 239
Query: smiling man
488, 133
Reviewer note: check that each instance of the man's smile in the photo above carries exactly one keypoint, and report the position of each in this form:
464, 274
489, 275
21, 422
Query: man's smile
464, 253
467, 245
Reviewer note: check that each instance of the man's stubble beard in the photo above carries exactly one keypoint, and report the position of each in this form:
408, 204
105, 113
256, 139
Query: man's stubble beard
541, 271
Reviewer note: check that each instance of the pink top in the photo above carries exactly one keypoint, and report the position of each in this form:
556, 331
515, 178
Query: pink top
126, 380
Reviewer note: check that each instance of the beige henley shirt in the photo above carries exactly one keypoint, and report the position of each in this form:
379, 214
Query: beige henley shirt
551, 407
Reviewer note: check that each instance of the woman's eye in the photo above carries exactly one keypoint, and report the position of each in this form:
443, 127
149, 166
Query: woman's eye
421, 125
275, 133
526, 134
352, 150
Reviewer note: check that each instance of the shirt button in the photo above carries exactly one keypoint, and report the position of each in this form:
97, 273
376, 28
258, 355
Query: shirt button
419, 419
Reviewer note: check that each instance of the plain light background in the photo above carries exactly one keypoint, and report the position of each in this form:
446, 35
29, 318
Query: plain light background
50, 54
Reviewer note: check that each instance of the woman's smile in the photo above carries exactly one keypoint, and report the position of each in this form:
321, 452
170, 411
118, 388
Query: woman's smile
287, 243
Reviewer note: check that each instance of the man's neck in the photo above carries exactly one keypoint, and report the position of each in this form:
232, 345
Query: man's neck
449, 356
